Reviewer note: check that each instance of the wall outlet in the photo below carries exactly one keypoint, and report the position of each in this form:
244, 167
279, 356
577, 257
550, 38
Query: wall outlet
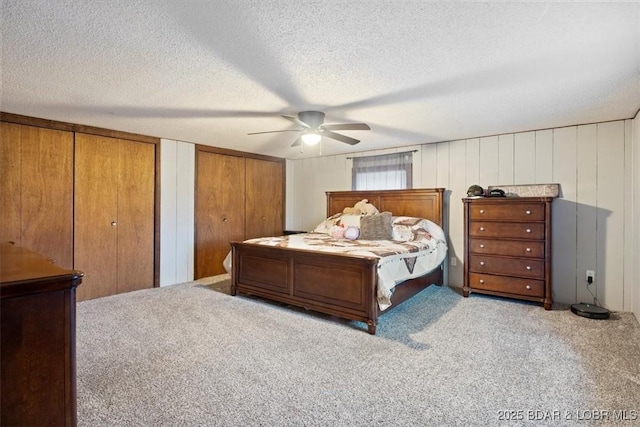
454, 261
591, 276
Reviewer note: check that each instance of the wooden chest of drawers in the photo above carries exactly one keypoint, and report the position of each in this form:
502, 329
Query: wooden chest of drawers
507, 247
37, 340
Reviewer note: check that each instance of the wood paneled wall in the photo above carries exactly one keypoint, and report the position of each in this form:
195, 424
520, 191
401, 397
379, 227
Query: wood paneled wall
592, 221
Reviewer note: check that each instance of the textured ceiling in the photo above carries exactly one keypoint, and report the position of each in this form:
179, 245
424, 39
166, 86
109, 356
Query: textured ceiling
210, 72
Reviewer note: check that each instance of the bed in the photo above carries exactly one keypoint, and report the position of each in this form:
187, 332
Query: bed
333, 283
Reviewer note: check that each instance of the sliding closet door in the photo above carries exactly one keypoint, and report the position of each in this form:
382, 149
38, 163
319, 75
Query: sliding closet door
220, 181
36, 190
114, 215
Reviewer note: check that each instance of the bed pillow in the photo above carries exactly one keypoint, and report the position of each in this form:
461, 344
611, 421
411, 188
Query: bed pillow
409, 229
337, 232
351, 233
401, 233
376, 227
327, 225
350, 220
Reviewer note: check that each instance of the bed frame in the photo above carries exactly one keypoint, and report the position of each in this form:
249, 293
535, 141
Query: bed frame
330, 283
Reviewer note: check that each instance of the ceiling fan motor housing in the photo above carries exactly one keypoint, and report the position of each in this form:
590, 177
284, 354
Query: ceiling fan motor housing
312, 118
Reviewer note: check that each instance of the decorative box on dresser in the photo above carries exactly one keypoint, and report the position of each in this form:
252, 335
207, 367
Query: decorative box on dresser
38, 330
507, 247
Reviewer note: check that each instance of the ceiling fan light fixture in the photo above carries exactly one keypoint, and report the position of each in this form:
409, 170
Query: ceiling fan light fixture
311, 137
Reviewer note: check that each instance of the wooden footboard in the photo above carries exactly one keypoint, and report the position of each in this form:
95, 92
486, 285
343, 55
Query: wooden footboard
328, 283
332, 284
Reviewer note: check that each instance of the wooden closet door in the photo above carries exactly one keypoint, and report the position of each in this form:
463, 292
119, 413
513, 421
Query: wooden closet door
136, 198
264, 202
10, 182
96, 215
36, 200
219, 210
114, 215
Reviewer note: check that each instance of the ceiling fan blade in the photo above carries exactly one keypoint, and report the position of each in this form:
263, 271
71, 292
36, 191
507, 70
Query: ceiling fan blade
297, 142
339, 137
274, 131
346, 126
297, 121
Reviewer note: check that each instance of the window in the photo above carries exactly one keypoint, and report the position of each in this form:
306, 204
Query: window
384, 172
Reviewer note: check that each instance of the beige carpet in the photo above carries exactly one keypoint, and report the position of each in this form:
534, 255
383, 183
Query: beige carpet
191, 355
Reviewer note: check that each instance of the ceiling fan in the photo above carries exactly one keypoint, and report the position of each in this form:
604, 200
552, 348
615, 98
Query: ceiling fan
313, 129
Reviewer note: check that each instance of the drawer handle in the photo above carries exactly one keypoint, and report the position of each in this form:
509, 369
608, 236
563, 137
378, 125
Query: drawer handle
528, 249
224, 219
528, 230
481, 246
481, 262
528, 267
481, 228
481, 211
528, 287
113, 223
481, 281
528, 212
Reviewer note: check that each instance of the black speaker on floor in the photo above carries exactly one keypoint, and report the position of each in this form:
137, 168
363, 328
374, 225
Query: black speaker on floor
590, 311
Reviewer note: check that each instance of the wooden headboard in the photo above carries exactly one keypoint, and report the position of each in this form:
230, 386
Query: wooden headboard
418, 202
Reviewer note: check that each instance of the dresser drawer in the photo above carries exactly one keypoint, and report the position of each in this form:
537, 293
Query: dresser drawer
533, 249
511, 285
509, 266
508, 211
514, 230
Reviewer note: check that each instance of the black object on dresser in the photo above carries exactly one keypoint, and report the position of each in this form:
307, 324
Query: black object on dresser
37, 336
507, 247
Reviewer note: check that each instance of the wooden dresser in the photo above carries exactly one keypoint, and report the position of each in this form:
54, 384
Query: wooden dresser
37, 333
507, 247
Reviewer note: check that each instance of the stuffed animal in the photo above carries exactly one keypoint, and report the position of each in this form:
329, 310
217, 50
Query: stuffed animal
363, 207
350, 211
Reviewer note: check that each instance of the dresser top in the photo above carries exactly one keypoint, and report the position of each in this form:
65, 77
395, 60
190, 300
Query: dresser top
482, 199
24, 271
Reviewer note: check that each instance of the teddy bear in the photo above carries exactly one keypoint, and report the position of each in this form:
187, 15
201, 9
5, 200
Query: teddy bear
363, 207
366, 208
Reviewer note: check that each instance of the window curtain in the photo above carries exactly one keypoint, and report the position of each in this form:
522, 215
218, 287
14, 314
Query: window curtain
383, 172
